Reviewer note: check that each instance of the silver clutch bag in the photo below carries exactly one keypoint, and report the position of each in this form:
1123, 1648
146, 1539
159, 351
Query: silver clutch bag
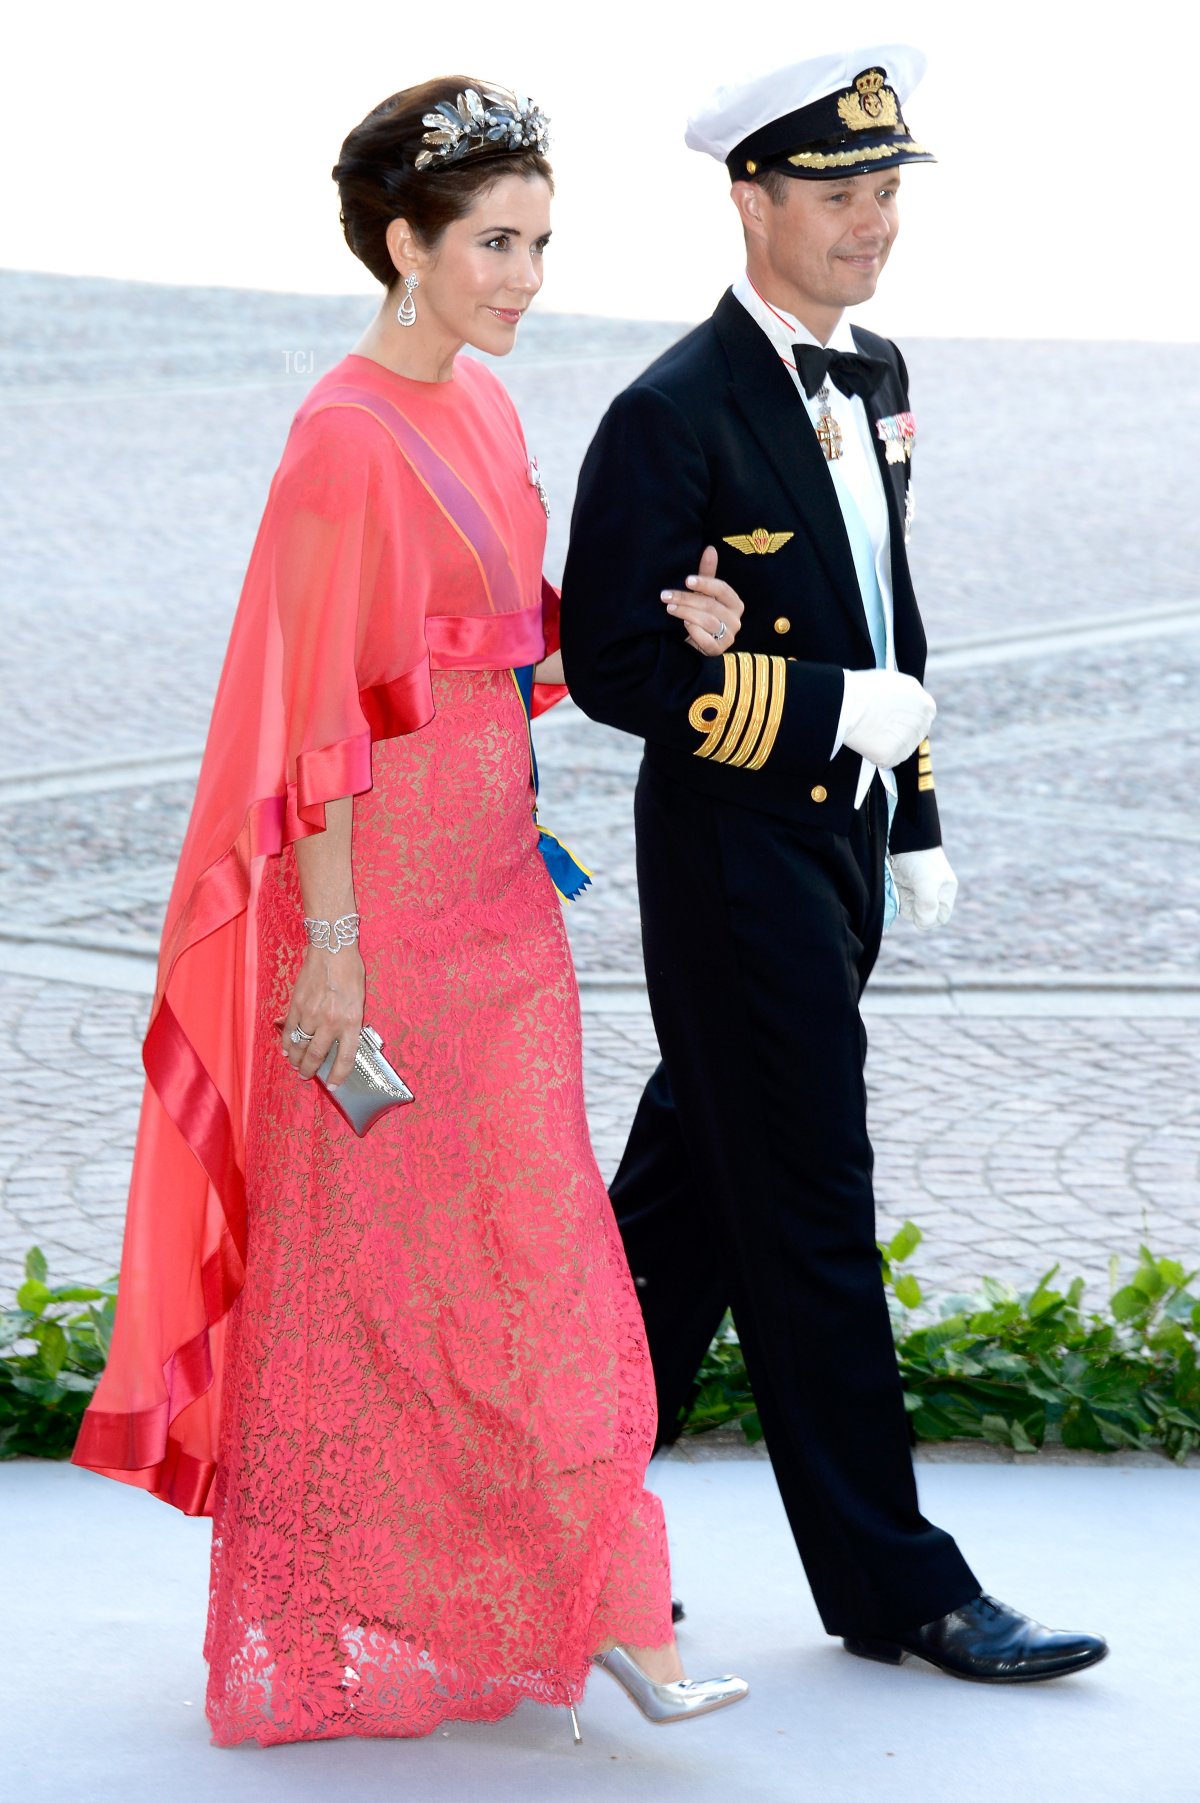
371, 1088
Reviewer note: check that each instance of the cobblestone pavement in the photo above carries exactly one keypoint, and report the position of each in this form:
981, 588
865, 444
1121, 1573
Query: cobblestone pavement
1012, 1143
1044, 1117
1066, 790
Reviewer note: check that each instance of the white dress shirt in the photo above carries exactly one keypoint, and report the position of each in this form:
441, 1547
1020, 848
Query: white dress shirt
855, 474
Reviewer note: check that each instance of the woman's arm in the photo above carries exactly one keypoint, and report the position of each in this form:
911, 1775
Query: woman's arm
711, 615
327, 1000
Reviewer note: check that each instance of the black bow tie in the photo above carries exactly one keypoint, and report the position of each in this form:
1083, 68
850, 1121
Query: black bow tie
848, 371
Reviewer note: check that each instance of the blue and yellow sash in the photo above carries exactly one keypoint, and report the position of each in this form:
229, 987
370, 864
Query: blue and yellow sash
567, 874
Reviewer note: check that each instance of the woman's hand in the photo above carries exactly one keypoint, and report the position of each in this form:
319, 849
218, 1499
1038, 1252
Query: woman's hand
712, 612
327, 1002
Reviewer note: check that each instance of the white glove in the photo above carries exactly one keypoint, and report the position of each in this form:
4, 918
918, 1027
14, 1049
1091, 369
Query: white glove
885, 715
925, 886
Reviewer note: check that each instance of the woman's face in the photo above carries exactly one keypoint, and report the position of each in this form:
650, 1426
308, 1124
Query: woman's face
487, 266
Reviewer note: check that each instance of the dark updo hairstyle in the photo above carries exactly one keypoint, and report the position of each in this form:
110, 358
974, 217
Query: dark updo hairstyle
378, 180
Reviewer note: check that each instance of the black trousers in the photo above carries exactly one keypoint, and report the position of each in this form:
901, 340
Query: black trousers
746, 1182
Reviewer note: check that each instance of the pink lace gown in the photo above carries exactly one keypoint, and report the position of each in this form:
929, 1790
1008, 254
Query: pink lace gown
438, 1406
406, 1375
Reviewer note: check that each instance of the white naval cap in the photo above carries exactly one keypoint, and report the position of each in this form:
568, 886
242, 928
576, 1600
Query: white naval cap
828, 116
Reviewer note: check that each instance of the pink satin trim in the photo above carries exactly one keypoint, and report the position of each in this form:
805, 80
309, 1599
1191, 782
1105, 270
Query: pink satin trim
130, 1449
196, 1106
547, 695
118, 1445
122, 1442
321, 776
497, 642
403, 705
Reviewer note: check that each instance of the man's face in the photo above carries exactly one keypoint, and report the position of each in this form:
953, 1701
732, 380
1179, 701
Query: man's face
827, 241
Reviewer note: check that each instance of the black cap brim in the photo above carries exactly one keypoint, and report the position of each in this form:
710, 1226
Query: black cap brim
827, 161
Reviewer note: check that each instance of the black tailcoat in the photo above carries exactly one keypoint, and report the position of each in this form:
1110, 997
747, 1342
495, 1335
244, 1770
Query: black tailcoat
746, 1182
711, 443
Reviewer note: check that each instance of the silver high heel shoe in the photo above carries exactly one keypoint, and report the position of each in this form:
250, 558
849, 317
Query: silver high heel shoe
676, 1702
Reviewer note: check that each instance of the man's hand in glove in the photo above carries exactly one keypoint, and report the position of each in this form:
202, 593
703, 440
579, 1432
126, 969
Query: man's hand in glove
925, 887
885, 715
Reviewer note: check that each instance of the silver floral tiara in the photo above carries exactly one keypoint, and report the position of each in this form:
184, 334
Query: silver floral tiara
496, 121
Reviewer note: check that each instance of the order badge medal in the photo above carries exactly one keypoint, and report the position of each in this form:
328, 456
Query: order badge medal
829, 433
898, 434
535, 481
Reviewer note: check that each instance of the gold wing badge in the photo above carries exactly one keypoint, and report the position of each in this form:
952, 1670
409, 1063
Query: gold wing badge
760, 542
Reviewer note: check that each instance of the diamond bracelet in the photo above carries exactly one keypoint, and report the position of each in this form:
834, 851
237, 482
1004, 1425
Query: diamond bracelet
332, 935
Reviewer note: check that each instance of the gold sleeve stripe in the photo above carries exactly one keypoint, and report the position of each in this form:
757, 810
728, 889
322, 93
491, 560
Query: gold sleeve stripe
924, 767
745, 682
758, 711
709, 713
741, 724
774, 714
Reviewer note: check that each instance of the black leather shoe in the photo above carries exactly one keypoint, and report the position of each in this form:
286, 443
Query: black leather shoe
989, 1642
676, 1612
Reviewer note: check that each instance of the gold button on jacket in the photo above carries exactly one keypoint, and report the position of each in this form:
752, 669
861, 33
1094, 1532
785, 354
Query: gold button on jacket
783, 624
819, 793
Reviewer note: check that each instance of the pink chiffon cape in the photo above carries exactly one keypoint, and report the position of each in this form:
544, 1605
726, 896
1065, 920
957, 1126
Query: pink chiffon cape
357, 588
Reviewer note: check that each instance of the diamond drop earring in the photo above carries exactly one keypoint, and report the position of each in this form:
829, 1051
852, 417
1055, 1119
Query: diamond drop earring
406, 312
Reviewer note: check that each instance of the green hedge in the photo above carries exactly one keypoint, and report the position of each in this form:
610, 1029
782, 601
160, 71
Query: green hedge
1021, 1370
51, 1356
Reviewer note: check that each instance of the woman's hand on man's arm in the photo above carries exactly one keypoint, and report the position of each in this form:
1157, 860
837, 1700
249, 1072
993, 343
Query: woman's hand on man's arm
709, 610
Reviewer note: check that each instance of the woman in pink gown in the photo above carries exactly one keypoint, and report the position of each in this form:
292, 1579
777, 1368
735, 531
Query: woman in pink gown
405, 1374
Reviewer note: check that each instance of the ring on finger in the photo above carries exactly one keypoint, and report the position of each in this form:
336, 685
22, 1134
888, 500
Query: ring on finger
720, 633
299, 1037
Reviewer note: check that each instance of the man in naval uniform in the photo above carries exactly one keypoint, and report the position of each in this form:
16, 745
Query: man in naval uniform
782, 436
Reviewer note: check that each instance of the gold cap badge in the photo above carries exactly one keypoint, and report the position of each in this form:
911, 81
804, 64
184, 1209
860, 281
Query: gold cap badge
869, 105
